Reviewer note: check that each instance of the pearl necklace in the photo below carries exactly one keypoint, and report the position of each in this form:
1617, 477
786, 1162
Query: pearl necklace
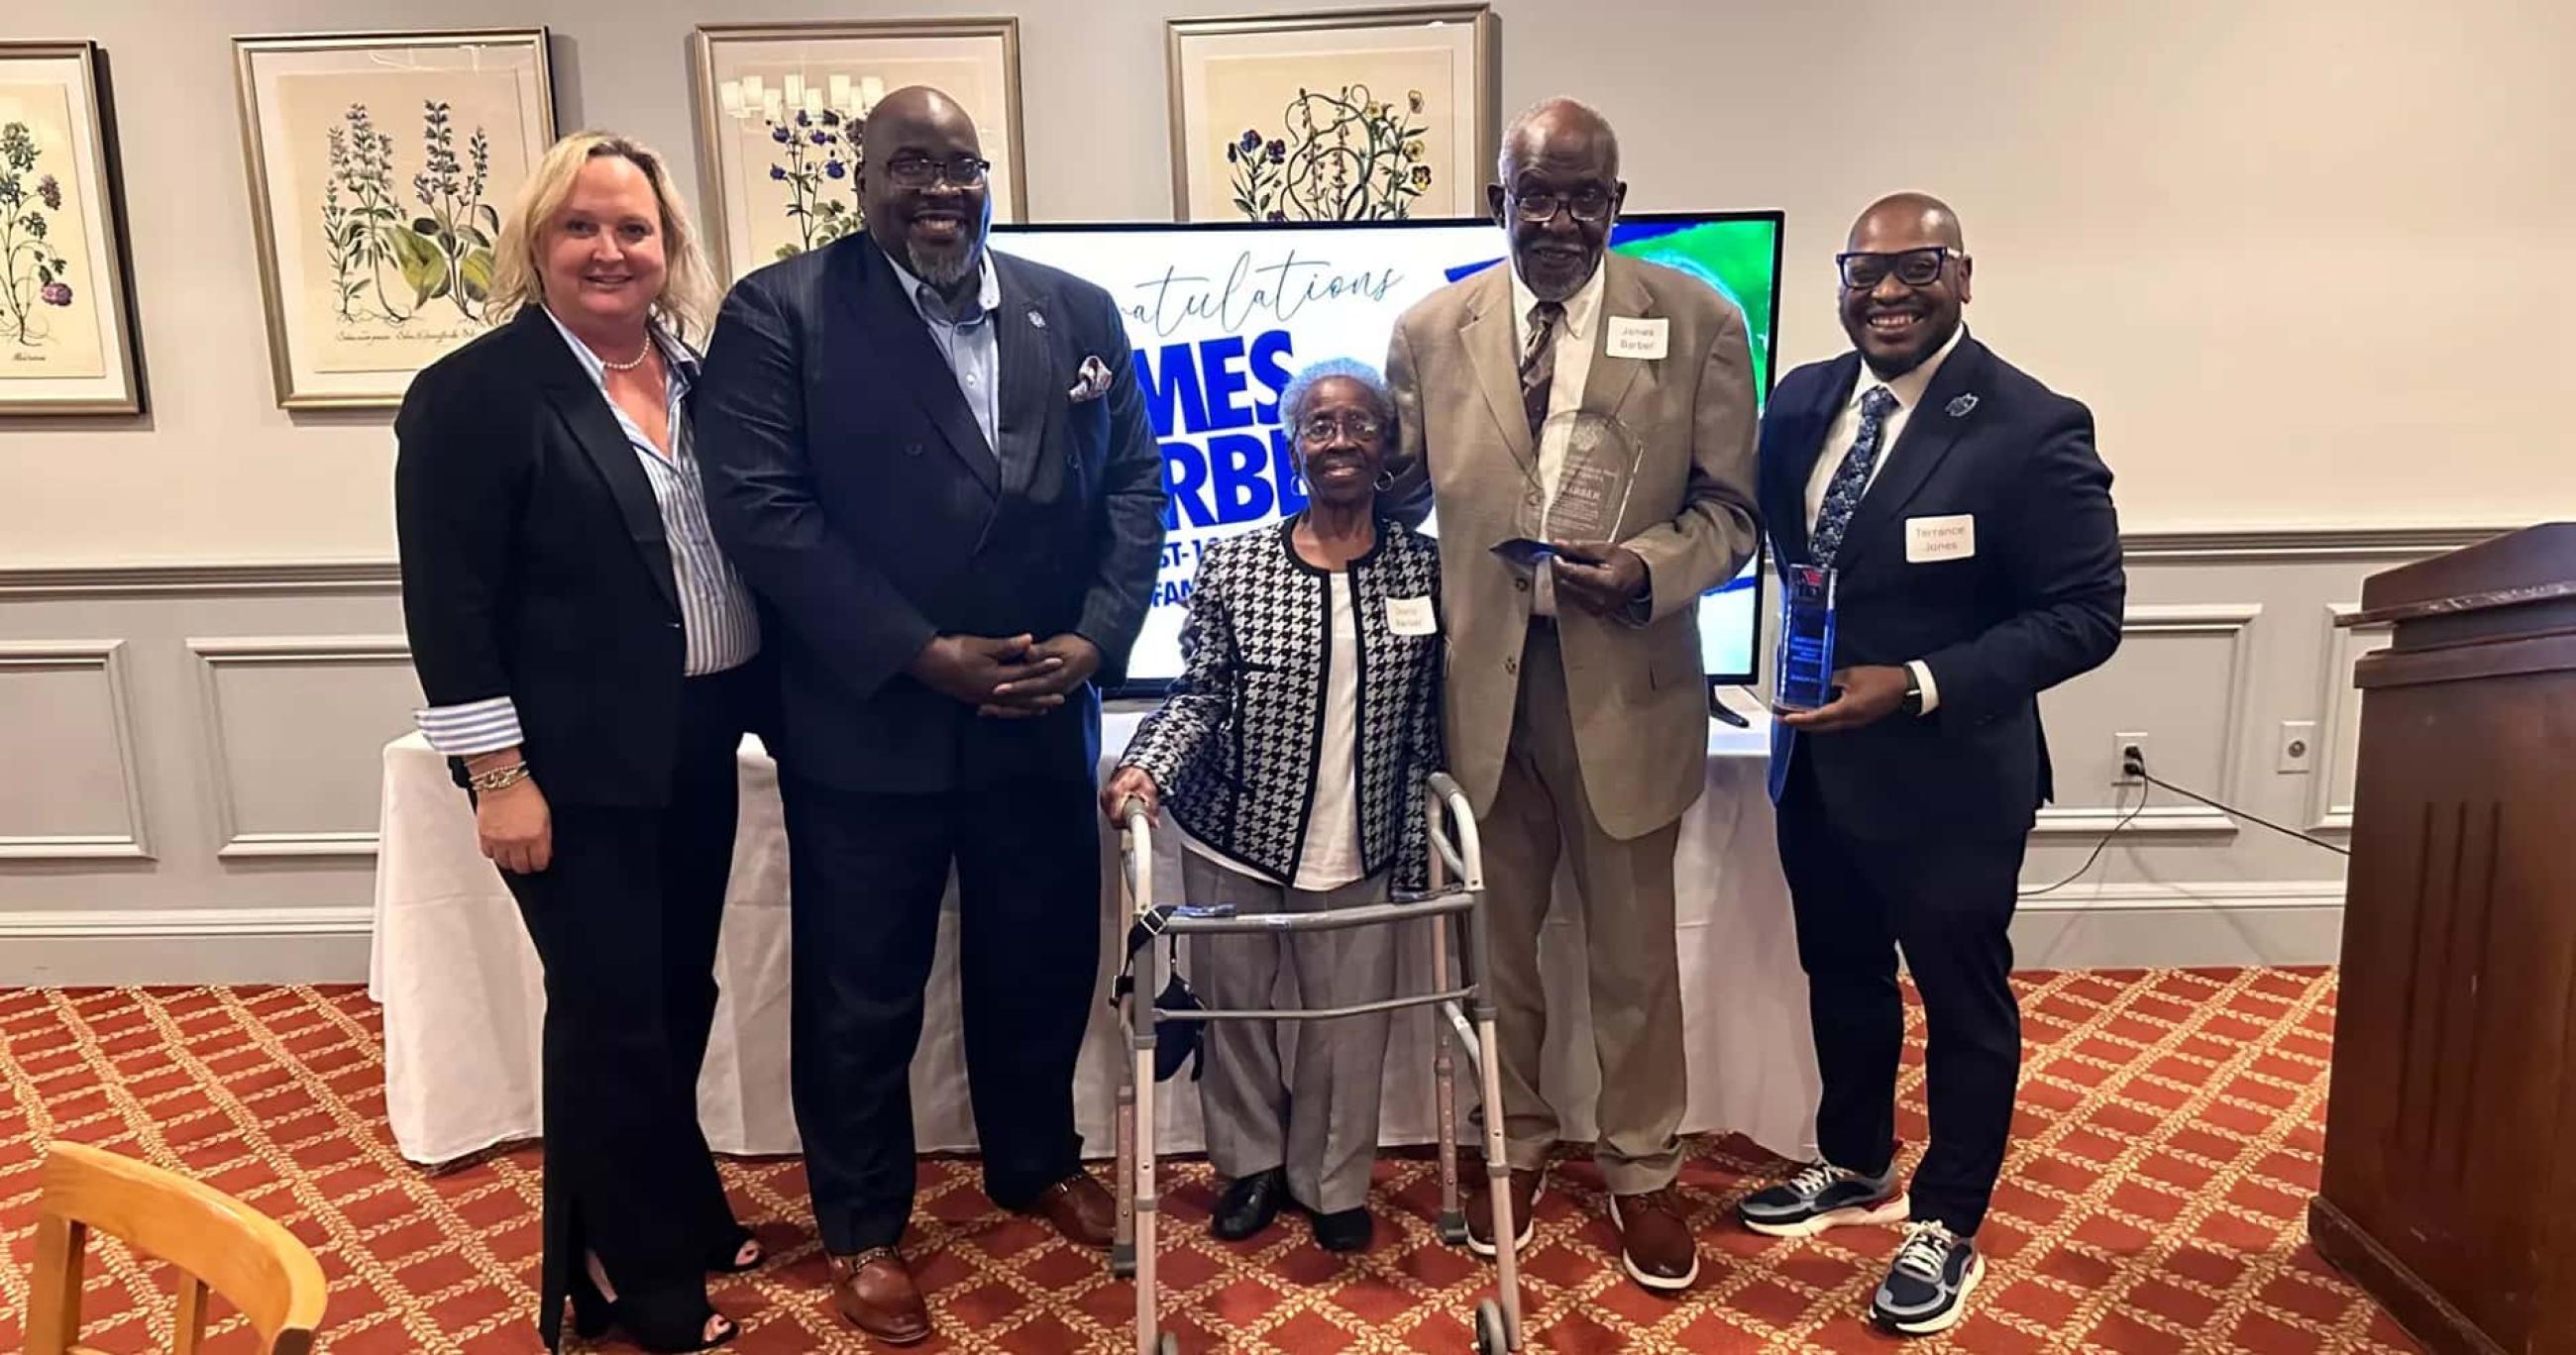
637, 361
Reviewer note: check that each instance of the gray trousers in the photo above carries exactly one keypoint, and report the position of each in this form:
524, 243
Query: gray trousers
1319, 1119
1631, 963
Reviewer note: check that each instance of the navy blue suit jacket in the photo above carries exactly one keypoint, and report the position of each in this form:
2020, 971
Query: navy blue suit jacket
851, 485
2037, 603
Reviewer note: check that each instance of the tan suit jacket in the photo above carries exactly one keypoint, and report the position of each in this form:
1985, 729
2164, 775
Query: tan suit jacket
1640, 705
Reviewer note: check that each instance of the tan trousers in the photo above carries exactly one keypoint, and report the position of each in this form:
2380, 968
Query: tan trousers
1625, 890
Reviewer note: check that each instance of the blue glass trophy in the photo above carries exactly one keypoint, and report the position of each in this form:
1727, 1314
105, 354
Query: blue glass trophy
1805, 672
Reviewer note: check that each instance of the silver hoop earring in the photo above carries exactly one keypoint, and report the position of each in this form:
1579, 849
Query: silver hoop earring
1385, 481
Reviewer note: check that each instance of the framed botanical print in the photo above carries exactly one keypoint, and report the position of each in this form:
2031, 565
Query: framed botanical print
66, 333
1358, 115
782, 107
380, 167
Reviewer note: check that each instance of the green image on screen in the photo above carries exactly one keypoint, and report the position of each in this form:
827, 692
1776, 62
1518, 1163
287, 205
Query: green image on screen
1738, 258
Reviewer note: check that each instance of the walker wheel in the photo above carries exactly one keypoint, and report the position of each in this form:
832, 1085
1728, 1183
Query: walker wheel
1491, 1339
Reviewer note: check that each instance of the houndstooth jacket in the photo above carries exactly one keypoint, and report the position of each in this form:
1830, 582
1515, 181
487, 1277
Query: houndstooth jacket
1235, 746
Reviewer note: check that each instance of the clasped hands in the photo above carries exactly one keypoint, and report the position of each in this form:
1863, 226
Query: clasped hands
1009, 678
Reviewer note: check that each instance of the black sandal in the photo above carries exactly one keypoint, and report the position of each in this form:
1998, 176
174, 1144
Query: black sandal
672, 1321
726, 1258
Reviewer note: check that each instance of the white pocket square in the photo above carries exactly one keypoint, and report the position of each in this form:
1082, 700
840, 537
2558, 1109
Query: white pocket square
1094, 381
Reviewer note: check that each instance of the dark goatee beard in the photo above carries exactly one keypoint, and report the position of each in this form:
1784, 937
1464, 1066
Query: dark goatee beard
944, 270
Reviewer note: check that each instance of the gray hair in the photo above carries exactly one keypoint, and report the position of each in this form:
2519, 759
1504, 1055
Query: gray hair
1301, 389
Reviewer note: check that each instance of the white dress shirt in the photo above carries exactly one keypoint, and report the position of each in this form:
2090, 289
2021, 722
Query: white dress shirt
1908, 390
1573, 346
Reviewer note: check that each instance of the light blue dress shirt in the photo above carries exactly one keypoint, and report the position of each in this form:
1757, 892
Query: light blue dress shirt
970, 346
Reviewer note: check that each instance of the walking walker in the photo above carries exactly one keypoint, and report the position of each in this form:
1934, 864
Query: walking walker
1465, 1015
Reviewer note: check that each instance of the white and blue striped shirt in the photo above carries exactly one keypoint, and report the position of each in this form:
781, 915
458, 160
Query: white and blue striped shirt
716, 611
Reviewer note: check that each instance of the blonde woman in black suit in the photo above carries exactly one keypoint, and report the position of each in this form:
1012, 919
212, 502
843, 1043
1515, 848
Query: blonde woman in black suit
590, 662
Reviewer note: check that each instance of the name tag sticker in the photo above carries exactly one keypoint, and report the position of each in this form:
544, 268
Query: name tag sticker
1634, 338
1411, 616
1931, 539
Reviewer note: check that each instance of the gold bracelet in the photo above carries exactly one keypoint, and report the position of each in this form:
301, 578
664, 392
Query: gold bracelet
501, 778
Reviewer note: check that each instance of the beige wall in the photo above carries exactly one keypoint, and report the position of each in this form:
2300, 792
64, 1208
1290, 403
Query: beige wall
2296, 255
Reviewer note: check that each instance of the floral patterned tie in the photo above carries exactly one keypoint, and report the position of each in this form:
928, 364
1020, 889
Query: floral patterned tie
1843, 494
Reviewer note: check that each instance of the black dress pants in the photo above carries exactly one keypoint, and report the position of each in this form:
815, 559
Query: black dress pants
868, 872
1859, 898
625, 920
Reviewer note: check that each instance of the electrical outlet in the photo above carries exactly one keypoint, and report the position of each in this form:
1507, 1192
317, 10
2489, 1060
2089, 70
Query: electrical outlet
2120, 746
2298, 754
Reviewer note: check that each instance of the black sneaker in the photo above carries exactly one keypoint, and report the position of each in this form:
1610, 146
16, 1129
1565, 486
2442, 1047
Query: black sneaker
1927, 1288
1822, 1196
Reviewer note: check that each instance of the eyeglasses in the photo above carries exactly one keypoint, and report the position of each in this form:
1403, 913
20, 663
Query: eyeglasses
920, 171
1590, 204
1319, 430
1913, 267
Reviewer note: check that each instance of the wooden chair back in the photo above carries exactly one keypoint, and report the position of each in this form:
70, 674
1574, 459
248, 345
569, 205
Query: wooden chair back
218, 1244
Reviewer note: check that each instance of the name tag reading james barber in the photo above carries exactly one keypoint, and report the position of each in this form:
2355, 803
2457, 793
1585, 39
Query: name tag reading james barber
1643, 339
1949, 538
1411, 616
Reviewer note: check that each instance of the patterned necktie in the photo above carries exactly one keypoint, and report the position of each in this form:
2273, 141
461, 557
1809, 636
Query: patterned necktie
1538, 364
1843, 494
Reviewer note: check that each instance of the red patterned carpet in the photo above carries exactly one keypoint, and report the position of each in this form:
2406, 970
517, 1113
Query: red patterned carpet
2166, 1147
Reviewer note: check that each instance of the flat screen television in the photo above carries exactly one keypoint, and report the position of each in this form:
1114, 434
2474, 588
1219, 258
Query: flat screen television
1222, 314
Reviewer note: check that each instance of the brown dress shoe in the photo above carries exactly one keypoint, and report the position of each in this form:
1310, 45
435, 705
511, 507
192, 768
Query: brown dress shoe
1528, 1187
1081, 1209
1655, 1243
874, 1290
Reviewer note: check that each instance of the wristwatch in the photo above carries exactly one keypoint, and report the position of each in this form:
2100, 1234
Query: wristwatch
1913, 690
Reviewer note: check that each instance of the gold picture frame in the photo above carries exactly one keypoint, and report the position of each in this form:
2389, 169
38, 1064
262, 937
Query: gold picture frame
779, 107
67, 331
380, 165
1339, 115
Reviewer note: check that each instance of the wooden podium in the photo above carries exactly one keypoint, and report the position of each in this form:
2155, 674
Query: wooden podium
2449, 1187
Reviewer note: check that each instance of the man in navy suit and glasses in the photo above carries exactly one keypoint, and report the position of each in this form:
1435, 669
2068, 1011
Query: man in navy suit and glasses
1977, 562
932, 464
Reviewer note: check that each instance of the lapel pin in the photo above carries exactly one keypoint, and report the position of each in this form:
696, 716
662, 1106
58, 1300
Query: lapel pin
1959, 408
1037, 318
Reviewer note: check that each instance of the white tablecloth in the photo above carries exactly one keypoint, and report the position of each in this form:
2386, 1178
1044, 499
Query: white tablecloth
463, 996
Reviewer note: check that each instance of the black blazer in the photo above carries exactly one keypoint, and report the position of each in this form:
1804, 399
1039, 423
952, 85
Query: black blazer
2039, 602
851, 485
534, 564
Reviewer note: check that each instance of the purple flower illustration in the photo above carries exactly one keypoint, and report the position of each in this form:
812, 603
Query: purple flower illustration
804, 119
820, 138
1277, 215
50, 192
1251, 141
57, 294
834, 169
777, 172
1278, 152
781, 135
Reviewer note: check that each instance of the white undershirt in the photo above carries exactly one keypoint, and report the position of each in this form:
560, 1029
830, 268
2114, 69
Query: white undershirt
1332, 855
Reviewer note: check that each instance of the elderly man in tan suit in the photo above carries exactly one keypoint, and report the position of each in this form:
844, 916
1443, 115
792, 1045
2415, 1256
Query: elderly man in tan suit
1577, 714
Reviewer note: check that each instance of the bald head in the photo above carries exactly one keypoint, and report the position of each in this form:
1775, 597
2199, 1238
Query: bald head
1571, 126
908, 113
1919, 218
